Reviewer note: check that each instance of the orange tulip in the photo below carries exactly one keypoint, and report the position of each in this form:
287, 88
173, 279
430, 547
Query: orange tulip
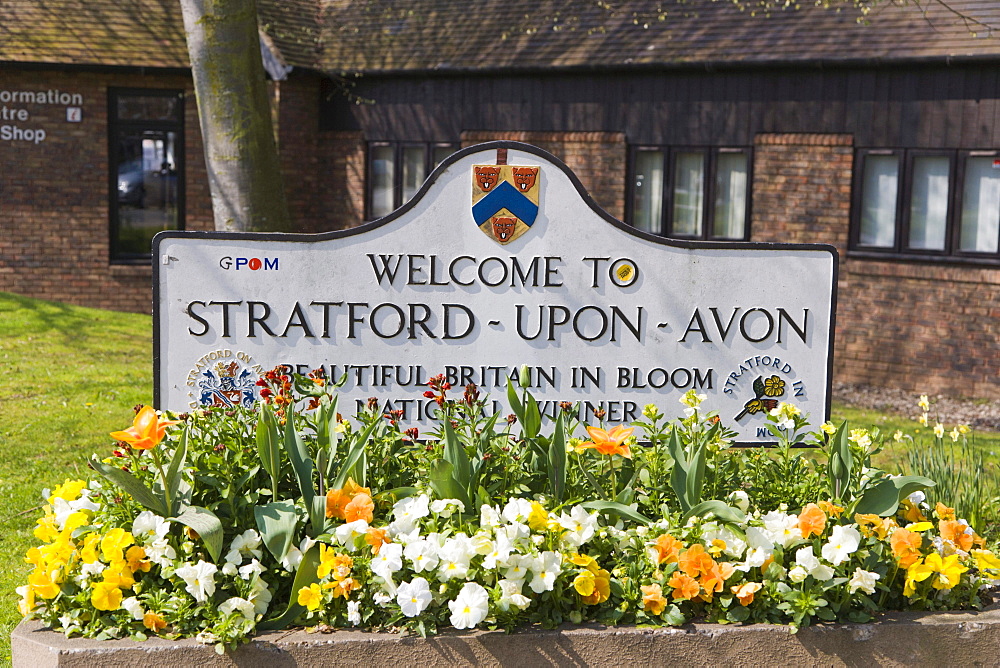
146, 432
608, 442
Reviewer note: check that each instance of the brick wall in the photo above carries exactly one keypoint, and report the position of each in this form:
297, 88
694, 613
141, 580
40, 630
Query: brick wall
597, 158
907, 324
54, 225
342, 190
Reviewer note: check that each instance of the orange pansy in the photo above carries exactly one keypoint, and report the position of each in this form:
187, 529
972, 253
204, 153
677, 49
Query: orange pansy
667, 547
694, 561
745, 592
685, 587
954, 531
377, 538
360, 507
812, 520
905, 547
652, 599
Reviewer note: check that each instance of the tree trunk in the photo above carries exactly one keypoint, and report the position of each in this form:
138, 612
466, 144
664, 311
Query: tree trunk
241, 156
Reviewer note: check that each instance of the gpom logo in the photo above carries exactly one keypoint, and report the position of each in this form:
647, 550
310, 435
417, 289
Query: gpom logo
251, 263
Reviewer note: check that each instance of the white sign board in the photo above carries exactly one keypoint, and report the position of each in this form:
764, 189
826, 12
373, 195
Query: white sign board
488, 268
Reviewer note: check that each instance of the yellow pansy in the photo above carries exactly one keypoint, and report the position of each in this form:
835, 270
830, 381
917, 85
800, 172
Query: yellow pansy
88, 554
538, 518
114, 543
986, 560
106, 596
69, 490
946, 572
311, 597
43, 584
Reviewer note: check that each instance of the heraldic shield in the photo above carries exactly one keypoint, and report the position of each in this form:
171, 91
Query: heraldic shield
504, 200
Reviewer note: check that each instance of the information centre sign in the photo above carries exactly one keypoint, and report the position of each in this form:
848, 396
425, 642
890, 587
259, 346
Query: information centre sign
501, 260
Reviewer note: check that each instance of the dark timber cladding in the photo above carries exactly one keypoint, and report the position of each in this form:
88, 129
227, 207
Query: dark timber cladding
917, 106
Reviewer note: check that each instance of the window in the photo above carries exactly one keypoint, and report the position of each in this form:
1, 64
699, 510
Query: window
690, 193
928, 203
146, 138
396, 170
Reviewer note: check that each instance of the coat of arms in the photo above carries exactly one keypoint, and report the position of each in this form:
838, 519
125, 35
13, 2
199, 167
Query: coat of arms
504, 198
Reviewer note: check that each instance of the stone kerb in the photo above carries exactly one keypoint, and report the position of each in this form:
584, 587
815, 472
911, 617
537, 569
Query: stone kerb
897, 639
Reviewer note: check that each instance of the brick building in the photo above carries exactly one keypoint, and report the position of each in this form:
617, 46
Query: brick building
693, 120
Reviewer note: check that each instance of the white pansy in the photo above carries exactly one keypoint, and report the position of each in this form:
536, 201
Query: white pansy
290, 562
199, 579
511, 596
740, 499
517, 567
241, 605
381, 599
470, 607
346, 533
517, 510
354, 612
251, 569
917, 497
805, 558
489, 516
150, 526
230, 569
500, 550
388, 560
133, 607
797, 574
446, 507
482, 543
516, 531
580, 526
161, 552
260, 596
730, 543
544, 570
844, 540
863, 580
422, 554
407, 511
413, 597
247, 544
782, 528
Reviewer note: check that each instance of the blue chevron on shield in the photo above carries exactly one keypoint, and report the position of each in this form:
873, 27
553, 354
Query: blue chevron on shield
504, 200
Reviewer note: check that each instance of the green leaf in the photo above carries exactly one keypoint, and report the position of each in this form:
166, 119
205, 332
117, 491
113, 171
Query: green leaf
696, 473
132, 486
268, 444
557, 459
353, 457
679, 473
758, 386
304, 576
173, 472
719, 509
841, 465
883, 499
276, 522
302, 465
532, 417
443, 482
455, 454
515, 402
624, 511
673, 616
207, 525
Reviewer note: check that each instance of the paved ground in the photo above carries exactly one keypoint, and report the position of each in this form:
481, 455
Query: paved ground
980, 414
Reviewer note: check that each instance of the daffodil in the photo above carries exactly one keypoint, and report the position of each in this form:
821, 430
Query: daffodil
608, 442
828, 428
939, 430
147, 430
924, 403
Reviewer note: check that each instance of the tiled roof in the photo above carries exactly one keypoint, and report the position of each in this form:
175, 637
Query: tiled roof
485, 35
376, 35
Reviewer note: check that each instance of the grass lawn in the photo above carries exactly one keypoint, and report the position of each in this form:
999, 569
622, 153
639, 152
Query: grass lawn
70, 375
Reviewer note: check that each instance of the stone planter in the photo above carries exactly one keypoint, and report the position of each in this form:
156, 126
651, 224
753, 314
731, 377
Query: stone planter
903, 639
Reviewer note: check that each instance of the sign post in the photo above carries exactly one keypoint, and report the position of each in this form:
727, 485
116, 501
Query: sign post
501, 260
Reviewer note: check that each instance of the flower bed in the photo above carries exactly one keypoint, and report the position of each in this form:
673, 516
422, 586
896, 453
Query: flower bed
223, 523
